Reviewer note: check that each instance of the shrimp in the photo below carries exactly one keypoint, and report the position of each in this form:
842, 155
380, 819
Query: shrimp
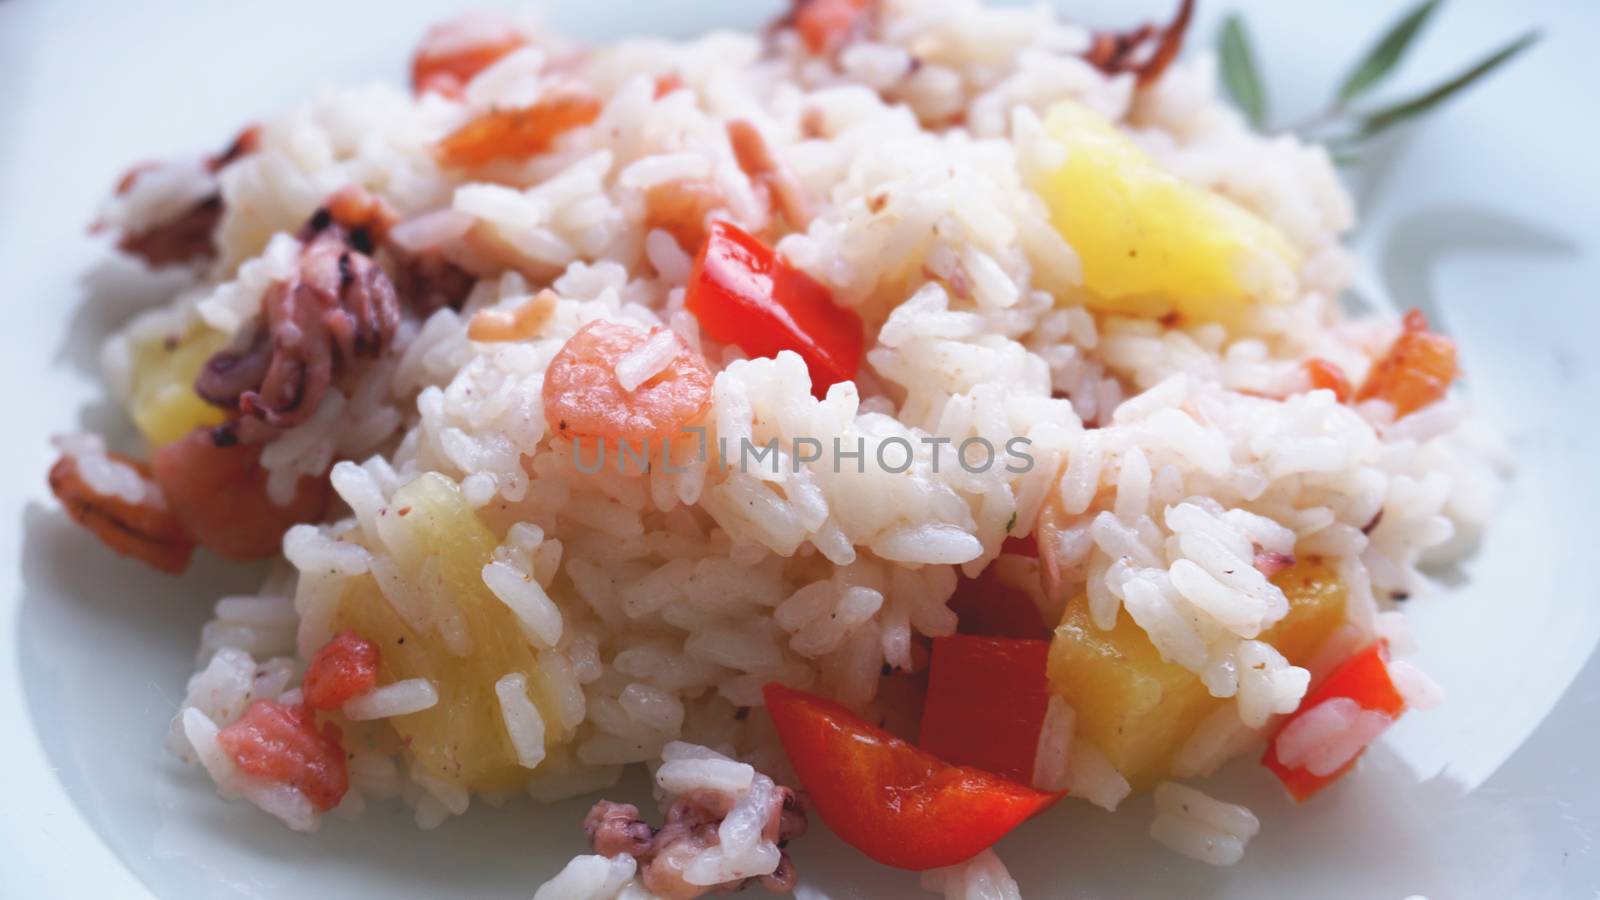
218, 491
143, 528
666, 84
827, 25
1417, 370
768, 175
357, 210
1325, 375
516, 134
283, 744
345, 668
453, 53
681, 208
583, 397
519, 324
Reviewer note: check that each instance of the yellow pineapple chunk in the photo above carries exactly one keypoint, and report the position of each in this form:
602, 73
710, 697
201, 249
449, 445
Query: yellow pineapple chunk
1139, 709
1150, 242
462, 740
1316, 610
163, 401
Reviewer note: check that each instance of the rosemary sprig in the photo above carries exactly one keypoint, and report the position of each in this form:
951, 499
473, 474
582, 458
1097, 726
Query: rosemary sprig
1385, 54
1395, 113
1239, 72
1345, 129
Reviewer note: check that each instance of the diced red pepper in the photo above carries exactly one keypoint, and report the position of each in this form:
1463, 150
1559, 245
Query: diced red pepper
1416, 372
901, 806
1363, 678
453, 53
744, 293
282, 743
985, 606
1324, 375
344, 669
986, 703
824, 24
515, 134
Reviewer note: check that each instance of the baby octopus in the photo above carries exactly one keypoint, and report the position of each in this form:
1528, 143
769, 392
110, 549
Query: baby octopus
338, 307
187, 236
690, 827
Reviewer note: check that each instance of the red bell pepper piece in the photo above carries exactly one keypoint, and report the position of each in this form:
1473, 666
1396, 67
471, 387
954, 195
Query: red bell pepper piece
900, 806
744, 293
984, 606
1363, 678
986, 703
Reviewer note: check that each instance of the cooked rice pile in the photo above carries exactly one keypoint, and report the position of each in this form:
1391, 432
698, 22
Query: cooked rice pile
1170, 453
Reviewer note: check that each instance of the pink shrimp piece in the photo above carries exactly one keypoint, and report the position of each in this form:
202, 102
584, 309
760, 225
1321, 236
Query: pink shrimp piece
217, 489
284, 744
681, 209
146, 530
767, 174
344, 669
583, 397
454, 52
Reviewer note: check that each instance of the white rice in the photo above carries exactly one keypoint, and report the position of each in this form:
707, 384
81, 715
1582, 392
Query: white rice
1052, 760
523, 722
1201, 828
741, 851
1092, 777
679, 776
1414, 685
105, 475
1325, 737
984, 877
656, 602
398, 699
540, 618
648, 361
589, 878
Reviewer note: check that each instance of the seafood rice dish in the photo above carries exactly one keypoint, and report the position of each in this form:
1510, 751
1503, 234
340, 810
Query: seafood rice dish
898, 421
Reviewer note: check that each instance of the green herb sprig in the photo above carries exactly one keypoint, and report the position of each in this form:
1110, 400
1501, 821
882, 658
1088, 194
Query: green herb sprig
1343, 126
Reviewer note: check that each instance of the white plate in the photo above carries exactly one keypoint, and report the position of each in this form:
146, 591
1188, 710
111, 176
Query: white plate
1487, 216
